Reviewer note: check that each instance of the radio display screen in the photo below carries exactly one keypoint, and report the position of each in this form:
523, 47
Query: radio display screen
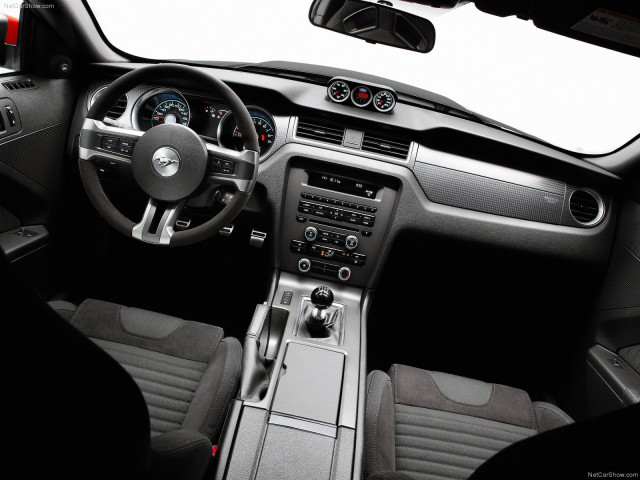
342, 184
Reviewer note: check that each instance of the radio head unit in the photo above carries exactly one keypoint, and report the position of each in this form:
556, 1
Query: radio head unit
342, 184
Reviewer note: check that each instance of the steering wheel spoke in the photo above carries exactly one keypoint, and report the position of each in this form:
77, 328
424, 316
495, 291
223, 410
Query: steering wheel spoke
229, 167
158, 222
99, 141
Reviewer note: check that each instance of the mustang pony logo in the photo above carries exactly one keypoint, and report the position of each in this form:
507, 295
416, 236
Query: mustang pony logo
165, 161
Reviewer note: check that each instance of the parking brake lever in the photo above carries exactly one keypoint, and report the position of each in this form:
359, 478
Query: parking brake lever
255, 379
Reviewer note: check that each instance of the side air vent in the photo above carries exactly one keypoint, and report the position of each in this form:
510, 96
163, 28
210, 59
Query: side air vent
385, 146
19, 84
320, 132
586, 207
118, 109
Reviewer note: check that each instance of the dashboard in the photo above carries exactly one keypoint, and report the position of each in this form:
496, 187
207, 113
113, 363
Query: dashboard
349, 171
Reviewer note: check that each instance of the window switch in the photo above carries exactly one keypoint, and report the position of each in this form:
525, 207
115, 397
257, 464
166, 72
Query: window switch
10, 116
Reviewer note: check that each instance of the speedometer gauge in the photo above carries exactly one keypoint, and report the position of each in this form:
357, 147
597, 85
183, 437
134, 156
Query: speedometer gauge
230, 136
158, 106
171, 111
384, 101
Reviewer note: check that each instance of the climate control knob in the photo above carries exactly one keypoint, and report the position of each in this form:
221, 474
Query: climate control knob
304, 265
351, 242
310, 233
344, 274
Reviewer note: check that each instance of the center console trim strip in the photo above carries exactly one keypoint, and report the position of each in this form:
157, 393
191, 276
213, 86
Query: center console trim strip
306, 425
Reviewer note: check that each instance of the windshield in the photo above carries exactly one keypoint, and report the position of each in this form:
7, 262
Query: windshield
571, 94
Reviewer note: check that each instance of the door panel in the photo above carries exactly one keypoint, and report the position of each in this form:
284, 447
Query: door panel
31, 160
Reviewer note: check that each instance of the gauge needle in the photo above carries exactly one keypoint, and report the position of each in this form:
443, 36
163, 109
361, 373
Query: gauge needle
158, 116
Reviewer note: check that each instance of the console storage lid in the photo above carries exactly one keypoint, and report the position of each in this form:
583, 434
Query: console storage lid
310, 383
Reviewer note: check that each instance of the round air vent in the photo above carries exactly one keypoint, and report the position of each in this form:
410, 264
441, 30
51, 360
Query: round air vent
586, 207
114, 112
118, 109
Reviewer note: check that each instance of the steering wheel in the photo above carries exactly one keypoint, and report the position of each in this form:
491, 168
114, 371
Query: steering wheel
169, 162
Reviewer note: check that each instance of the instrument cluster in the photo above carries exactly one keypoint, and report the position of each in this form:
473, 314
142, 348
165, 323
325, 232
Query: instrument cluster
210, 118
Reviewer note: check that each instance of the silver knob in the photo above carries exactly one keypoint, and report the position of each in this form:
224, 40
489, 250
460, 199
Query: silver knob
344, 274
311, 233
304, 265
351, 242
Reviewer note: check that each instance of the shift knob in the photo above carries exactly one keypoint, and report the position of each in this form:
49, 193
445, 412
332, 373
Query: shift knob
322, 297
319, 322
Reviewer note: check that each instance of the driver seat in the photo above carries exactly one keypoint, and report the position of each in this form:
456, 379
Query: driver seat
188, 373
72, 411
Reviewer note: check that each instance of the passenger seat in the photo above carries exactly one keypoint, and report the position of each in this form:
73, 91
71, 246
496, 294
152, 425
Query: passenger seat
432, 425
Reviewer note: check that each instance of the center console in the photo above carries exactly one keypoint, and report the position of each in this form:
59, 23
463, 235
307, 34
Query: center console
300, 412
334, 224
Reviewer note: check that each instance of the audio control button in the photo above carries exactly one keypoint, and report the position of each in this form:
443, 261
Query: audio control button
310, 233
304, 265
351, 242
368, 221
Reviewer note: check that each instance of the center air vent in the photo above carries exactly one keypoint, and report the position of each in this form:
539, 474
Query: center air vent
118, 109
586, 207
320, 132
385, 146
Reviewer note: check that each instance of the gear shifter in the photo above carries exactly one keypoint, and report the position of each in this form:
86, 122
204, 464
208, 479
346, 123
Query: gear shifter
319, 322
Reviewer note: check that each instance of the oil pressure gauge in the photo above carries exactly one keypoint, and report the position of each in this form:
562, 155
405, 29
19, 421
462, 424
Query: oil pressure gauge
384, 101
339, 91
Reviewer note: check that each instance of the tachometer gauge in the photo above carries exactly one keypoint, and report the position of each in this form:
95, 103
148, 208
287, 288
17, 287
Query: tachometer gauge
384, 101
230, 136
265, 131
170, 111
158, 106
361, 96
339, 91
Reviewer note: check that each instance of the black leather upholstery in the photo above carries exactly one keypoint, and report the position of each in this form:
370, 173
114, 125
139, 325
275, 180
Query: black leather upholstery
434, 425
187, 373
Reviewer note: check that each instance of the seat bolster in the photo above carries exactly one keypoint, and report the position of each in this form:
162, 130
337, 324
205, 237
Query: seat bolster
549, 416
390, 476
64, 309
454, 394
380, 449
217, 387
149, 330
181, 454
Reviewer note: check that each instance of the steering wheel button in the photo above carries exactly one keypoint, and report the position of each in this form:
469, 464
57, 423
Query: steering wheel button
109, 141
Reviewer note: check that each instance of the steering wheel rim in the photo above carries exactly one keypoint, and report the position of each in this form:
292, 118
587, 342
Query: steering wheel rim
168, 192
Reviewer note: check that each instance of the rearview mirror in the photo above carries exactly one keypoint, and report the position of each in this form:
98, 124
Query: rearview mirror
374, 23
